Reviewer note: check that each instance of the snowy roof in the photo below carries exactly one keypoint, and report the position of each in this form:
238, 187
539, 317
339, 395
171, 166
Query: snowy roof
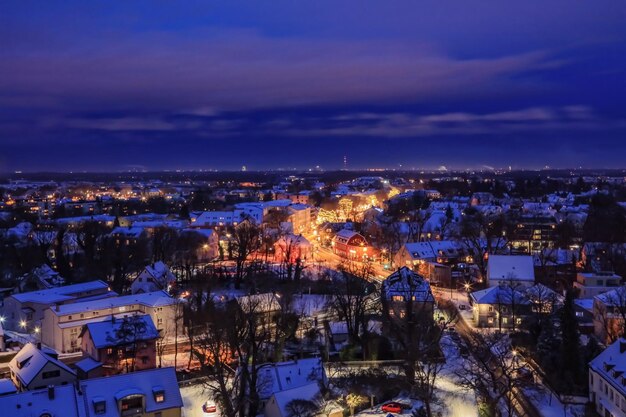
307, 392
611, 364
7, 387
88, 364
405, 282
420, 250
615, 298
259, 303
30, 360
116, 332
58, 294
519, 268
281, 376
37, 403
160, 273
133, 232
151, 299
499, 295
146, 383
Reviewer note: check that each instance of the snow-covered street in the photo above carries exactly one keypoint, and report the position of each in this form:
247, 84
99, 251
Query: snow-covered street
193, 398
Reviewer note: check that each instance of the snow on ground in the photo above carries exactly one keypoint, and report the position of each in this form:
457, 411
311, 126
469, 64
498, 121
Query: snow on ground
193, 398
454, 400
377, 412
549, 405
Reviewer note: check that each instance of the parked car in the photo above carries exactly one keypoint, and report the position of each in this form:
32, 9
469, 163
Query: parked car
392, 407
209, 409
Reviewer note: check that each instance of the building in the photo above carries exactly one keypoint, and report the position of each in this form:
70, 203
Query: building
532, 234
208, 248
609, 312
590, 284
351, 245
152, 393
121, 345
62, 324
35, 367
155, 277
291, 248
406, 293
607, 380
276, 380
26, 310
507, 269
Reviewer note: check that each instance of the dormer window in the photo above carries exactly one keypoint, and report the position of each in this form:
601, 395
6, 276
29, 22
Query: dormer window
99, 405
159, 394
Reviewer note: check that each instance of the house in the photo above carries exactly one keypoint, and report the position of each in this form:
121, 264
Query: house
152, 393
121, 345
278, 404
281, 377
405, 292
62, 324
503, 269
155, 277
609, 312
146, 393
350, 244
607, 380
290, 248
26, 310
590, 284
35, 368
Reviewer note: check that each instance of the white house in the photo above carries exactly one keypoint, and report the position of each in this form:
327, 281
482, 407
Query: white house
154, 277
506, 269
34, 368
607, 380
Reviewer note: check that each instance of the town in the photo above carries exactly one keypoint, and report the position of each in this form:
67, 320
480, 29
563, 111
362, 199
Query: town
313, 293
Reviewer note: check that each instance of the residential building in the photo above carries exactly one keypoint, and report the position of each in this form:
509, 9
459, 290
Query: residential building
151, 393
121, 345
607, 380
155, 277
26, 310
290, 248
609, 313
350, 244
35, 367
507, 269
590, 284
62, 324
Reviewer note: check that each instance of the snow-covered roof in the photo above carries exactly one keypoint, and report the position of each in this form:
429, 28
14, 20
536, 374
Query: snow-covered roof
7, 387
130, 232
116, 332
420, 250
307, 392
59, 294
518, 268
30, 360
151, 299
282, 376
88, 364
615, 298
499, 295
611, 364
64, 402
146, 383
407, 283
346, 234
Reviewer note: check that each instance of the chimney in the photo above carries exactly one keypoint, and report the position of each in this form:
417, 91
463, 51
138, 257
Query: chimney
622, 345
112, 318
51, 392
56, 308
39, 345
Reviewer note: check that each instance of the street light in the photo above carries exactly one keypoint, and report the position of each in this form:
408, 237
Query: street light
22, 323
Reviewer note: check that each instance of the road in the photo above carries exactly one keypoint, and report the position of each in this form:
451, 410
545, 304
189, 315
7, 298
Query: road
523, 406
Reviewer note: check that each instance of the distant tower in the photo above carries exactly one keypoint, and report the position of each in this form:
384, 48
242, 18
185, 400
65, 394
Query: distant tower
345, 163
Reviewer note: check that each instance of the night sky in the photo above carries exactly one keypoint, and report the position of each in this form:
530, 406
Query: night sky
115, 85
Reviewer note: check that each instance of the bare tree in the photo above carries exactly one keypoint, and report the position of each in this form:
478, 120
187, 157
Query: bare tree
301, 408
494, 372
246, 240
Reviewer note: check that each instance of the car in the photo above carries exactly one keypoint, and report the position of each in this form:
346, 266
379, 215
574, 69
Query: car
462, 307
209, 409
392, 407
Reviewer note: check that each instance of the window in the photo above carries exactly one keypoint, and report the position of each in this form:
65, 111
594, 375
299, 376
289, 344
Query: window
490, 309
100, 406
51, 374
159, 395
505, 320
518, 321
132, 403
397, 298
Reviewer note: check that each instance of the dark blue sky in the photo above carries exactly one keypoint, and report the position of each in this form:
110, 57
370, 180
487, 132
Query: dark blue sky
156, 84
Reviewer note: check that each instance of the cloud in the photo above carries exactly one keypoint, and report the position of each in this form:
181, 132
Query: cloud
210, 73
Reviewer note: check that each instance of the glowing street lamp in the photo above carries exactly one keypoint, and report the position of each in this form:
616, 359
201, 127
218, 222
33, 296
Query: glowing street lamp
23, 324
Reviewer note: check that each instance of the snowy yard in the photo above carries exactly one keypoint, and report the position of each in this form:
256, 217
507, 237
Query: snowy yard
193, 398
